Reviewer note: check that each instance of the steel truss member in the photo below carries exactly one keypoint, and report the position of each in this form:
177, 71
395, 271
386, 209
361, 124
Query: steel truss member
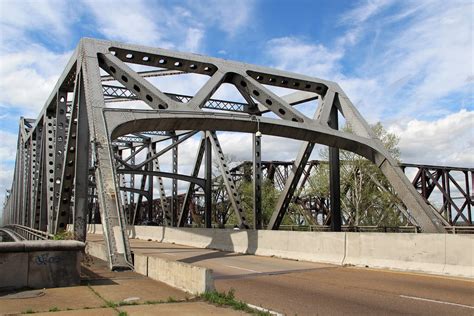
74, 144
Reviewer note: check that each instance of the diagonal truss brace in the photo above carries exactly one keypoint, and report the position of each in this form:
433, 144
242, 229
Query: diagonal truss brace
228, 181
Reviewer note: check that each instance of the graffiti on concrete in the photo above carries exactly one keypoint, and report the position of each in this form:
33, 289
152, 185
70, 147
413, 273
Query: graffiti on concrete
45, 259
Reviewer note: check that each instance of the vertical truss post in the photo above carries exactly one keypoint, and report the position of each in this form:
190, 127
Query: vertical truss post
37, 189
33, 183
208, 187
187, 199
59, 145
334, 177
150, 185
69, 162
138, 207
468, 196
48, 172
132, 185
81, 179
257, 182
163, 200
111, 209
25, 183
174, 189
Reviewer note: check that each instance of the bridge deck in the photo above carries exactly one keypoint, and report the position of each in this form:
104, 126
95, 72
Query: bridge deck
303, 288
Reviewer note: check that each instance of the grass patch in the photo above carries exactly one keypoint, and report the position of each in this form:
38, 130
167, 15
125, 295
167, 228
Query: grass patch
153, 302
127, 303
29, 311
54, 309
123, 314
171, 300
228, 299
110, 304
64, 236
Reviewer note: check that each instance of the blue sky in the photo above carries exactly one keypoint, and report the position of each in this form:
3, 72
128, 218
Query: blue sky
408, 64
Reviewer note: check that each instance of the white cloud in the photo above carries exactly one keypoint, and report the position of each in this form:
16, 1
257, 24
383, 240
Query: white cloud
434, 50
28, 77
446, 141
131, 22
150, 23
8, 148
193, 39
230, 16
297, 55
420, 55
364, 11
50, 18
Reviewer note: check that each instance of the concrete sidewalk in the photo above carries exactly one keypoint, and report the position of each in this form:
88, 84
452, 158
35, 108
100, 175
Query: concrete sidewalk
108, 293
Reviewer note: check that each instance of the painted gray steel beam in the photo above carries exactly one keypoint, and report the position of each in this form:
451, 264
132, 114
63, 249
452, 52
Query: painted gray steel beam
229, 182
183, 215
334, 176
149, 73
150, 186
156, 173
163, 151
174, 181
39, 183
63, 212
59, 152
112, 213
81, 178
208, 187
257, 181
290, 186
134, 82
317, 133
301, 160
250, 81
163, 200
48, 172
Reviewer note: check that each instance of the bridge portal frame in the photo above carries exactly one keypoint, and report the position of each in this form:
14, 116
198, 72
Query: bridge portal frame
84, 149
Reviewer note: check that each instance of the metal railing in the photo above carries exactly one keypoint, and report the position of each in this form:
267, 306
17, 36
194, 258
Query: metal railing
29, 233
364, 229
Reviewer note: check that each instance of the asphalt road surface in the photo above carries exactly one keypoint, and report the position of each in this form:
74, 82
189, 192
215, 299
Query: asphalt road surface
305, 288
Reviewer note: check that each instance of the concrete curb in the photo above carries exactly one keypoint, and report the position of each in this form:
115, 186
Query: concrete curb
189, 278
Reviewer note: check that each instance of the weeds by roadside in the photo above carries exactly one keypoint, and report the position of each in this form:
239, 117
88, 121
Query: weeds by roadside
228, 299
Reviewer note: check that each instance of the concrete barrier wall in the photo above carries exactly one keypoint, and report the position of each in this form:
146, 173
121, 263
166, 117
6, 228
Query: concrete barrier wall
443, 254
40, 264
97, 249
459, 255
413, 252
184, 276
310, 246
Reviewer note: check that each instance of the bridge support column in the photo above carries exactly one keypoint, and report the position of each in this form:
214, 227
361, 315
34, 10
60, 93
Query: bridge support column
257, 182
208, 186
334, 177
174, 186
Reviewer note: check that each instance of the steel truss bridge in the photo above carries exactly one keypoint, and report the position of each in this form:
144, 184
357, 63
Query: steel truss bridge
84, 158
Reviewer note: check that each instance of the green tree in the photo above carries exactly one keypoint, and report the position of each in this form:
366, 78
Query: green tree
269, 199
366, 196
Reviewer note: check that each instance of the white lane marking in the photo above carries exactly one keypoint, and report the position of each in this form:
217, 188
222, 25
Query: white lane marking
265, 310
254, 271
435, 301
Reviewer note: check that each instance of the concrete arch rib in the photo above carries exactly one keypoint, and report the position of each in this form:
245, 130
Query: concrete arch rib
121, 122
